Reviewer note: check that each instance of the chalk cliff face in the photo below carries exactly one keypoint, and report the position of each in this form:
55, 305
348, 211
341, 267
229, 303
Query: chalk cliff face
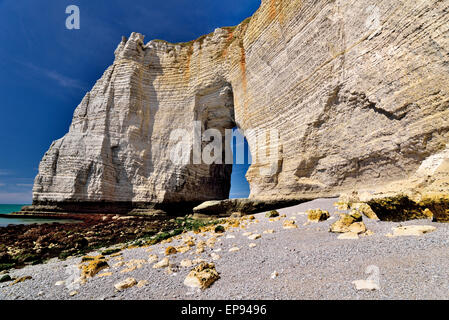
357, 92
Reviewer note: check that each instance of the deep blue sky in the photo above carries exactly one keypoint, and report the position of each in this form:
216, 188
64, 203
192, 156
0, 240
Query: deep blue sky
46, 69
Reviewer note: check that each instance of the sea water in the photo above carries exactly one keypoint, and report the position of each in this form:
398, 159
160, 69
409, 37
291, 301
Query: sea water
10, 208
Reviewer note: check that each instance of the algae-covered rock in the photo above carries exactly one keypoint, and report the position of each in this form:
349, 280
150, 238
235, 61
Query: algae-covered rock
317, 215
202, 276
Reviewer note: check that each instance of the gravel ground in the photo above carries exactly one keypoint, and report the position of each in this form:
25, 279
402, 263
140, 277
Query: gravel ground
311, 262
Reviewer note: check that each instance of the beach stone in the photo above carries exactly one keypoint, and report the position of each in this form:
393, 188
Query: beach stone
125, 284
357, 227
272, 214
162, 264
412, 230
254, 236
348, 236
185, 263
152, 258
317, 215
170, 250
20, 279
93, 267
215, 256
289, 224
368, 285
5, 278
366, 210
202, 276
342, 225
142, 283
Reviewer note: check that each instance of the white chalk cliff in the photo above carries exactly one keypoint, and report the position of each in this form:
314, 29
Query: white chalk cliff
358, 92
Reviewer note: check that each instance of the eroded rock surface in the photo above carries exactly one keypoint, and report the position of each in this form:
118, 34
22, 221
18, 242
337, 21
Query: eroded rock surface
357, 92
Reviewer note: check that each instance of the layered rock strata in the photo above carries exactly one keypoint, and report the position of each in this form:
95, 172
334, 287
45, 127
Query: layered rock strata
356, 92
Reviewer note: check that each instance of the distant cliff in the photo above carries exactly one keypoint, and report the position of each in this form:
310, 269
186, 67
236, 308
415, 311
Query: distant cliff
357, 92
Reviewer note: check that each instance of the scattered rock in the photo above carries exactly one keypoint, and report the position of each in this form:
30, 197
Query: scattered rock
211, 242
230, 236
183, 249
368, 233
125, 284
92, 268
269, 231
236, 215
369, 285
5, 278
274, 275
202, 276
162, 264
199, 250
60, 283
152, 258
412, 230
348, 236
317, 215
428, 213
289, 224
246, 234
186, 263
342, 225
104, 274
272, 214
252, 245
357, 227
219, 229
21, 279
234, 249
254, 236
215, 256
142, 283
73, 293
365, 209
170, 250
129, 269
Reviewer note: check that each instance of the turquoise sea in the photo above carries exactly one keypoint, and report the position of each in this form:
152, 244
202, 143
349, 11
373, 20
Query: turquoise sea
9, 208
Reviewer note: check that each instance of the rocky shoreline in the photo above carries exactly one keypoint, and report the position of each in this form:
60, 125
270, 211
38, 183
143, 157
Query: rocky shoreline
288, 254
35, 243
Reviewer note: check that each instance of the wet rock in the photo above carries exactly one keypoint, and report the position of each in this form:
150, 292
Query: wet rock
5, 278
